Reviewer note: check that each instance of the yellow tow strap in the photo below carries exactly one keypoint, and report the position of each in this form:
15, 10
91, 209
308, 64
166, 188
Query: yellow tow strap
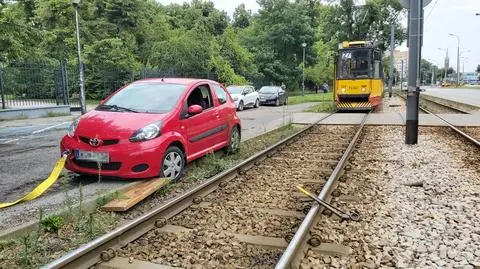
40, 189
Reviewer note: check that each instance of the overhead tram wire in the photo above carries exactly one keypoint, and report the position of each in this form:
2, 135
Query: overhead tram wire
431, 10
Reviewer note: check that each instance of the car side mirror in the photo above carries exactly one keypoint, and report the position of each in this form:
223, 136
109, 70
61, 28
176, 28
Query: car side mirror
194, 110
244, 93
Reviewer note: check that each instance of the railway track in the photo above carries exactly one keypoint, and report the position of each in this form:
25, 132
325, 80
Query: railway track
454, 128
244, 216
416, 204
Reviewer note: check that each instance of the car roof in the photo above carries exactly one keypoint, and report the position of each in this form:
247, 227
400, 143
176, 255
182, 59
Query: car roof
183, 81
239, 86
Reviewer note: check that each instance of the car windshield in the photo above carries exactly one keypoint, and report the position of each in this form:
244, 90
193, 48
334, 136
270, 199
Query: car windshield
268, 90
235, 90
145, 98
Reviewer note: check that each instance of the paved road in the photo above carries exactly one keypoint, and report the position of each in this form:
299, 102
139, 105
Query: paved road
467, 96
29, 150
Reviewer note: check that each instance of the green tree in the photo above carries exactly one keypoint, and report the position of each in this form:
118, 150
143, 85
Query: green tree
241, 17
109, 65
478, 68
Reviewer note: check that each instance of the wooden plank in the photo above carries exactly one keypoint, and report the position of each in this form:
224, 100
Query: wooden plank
135, 194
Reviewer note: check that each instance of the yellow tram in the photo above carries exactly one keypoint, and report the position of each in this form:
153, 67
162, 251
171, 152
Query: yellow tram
358, 81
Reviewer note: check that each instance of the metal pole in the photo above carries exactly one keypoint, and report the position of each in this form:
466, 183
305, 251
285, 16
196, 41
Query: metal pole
2, 93
458, 61
433, 75
401, 78
80, 65
392, 47
303, 72
415, 21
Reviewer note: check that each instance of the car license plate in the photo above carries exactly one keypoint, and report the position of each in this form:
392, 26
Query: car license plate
101, 157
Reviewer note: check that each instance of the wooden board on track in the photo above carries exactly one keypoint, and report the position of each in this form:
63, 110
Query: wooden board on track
135, 194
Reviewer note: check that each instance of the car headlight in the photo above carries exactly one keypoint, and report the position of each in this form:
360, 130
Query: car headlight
72, 128
148, 132
235, 98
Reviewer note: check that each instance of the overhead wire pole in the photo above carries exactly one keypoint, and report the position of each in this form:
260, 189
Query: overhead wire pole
458, 58
401, 78
415, 32
392, 48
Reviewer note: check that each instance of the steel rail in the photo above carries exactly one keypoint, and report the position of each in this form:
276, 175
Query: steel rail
299, 239
103, 248
453, 127
447, 106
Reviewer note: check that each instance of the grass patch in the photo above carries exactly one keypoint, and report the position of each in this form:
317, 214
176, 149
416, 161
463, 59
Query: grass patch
322, 107
320, 97
53, 223
93, 102
51, 114
103, 200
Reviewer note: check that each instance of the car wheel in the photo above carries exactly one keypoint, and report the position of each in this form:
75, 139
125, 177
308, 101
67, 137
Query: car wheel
173, 163
277, 102
240, 106
285, 102
257, 103
234, 141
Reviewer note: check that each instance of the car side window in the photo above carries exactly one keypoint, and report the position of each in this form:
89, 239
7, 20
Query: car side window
201, 96
248, 90
221, 94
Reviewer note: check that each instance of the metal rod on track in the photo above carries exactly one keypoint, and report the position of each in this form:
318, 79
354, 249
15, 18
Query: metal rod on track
299, 238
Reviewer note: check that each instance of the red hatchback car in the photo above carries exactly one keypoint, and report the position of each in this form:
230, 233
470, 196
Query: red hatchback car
153, 127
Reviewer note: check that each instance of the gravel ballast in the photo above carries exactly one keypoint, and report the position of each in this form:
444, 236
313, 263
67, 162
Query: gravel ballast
263, 202
420, 205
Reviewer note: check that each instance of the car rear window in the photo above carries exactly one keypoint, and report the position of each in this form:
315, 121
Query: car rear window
148, 97
268, 90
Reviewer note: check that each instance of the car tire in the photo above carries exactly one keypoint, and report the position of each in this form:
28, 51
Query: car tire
257, 103
240, 106
173, 163
285, 102
233, 141
277, 102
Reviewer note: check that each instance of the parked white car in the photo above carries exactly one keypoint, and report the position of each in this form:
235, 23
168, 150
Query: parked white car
244, 96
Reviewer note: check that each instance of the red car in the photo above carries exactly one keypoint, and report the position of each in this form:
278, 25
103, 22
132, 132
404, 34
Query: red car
153, 127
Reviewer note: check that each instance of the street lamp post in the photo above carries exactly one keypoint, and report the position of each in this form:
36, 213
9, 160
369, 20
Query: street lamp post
458, 58
75, 4
304, 45
445, 67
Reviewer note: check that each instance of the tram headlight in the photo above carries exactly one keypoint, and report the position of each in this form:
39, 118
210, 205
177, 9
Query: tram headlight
343, 89
364, 90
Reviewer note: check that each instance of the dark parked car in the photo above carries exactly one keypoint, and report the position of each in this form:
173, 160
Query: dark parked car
273, 95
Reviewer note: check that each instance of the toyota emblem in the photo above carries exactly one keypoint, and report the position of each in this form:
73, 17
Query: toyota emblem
95, 142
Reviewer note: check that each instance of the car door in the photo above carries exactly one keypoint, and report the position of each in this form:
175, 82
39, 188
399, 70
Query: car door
251, 95
203, 130
223, 110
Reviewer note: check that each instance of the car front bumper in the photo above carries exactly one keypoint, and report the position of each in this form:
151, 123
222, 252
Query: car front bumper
127, 160
268, 101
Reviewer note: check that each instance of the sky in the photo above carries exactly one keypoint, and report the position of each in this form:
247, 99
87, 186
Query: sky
441, 18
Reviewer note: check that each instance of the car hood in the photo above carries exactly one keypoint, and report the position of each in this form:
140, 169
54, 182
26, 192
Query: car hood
235, 95
114, 124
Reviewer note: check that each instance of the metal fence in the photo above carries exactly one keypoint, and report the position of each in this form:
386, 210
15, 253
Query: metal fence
33, 84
